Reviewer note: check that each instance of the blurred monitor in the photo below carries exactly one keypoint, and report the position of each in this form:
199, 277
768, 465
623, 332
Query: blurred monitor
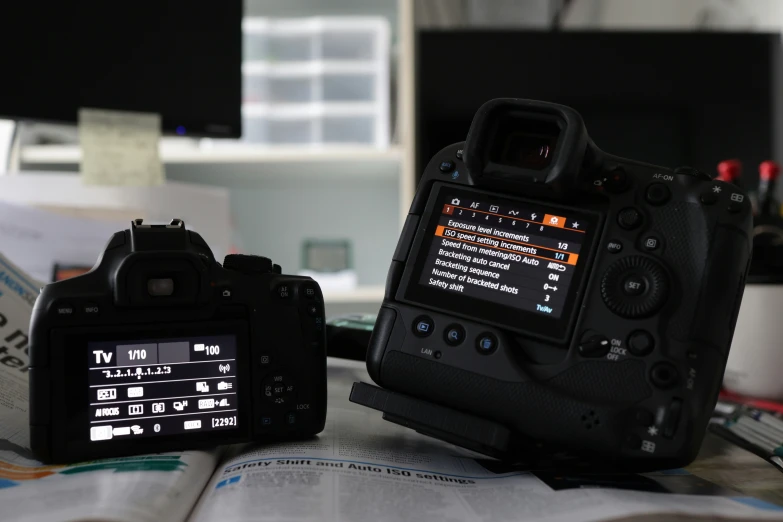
181, 59
668, 98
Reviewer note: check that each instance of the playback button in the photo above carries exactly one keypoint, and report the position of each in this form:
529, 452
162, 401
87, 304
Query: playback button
423, 326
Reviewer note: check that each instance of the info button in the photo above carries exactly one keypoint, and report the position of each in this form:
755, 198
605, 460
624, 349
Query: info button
91, 309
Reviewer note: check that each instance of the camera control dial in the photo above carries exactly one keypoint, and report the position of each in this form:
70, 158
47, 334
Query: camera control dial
634, 286
248, 264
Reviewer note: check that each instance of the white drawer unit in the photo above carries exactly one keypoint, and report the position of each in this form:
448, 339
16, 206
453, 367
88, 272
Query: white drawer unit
316, 81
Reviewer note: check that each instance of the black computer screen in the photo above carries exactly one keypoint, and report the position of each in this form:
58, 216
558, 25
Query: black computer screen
668, 98
179, 58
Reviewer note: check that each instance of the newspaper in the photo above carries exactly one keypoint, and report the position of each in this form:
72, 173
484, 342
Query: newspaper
360, 468
364, 468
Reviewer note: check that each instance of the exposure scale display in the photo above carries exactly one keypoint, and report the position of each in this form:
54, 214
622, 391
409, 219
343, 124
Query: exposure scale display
505, 252
162, 386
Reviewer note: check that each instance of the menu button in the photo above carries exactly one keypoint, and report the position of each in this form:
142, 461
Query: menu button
64, 309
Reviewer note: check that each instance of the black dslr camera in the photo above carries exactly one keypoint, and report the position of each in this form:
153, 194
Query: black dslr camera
160, 348
547, 295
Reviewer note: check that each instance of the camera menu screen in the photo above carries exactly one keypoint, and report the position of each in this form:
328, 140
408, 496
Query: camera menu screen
506, 252
162, 386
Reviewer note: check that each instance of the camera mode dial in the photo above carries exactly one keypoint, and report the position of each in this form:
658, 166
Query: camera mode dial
634, 286
248, 264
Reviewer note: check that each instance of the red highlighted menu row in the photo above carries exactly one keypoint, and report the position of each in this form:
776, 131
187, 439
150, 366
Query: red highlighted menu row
507, 245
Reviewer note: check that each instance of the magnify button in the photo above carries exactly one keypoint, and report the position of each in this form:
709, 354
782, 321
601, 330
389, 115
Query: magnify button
454, 335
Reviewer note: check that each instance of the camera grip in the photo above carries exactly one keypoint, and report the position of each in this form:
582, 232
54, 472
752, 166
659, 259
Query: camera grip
538, 411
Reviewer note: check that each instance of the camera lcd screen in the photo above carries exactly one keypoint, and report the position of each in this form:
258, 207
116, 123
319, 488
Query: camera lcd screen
151, 387
511, 262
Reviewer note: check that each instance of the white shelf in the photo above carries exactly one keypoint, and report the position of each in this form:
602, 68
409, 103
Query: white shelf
361, 294
309, 109
312, 68
228, 153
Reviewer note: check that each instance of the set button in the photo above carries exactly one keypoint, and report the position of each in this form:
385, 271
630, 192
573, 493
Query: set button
278, 389
634, 285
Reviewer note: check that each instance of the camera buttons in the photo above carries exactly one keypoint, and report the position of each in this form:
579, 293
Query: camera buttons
616, 181
309, 291
91, 309
690, 171
664, 375
644, 418
313, 310
614, 246
596, 345
284, 291
633, 442
657, 194
63, 309
710, 197
446, 166
737, 203
486, 343
423, 326
640, 343
629, 218
454, 335
651, 243
672, 418
634, 284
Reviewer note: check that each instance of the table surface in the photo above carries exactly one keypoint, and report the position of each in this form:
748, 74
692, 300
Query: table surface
719, 461
730, 466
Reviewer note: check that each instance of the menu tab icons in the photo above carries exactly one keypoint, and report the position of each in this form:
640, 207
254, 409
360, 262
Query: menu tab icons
494, 208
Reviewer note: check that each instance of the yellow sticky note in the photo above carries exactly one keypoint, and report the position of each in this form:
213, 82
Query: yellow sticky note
120, 148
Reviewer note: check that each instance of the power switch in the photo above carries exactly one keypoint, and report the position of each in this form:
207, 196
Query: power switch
672, 418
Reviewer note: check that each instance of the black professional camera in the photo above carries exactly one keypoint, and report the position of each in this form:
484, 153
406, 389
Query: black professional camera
160, 348
545, 294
